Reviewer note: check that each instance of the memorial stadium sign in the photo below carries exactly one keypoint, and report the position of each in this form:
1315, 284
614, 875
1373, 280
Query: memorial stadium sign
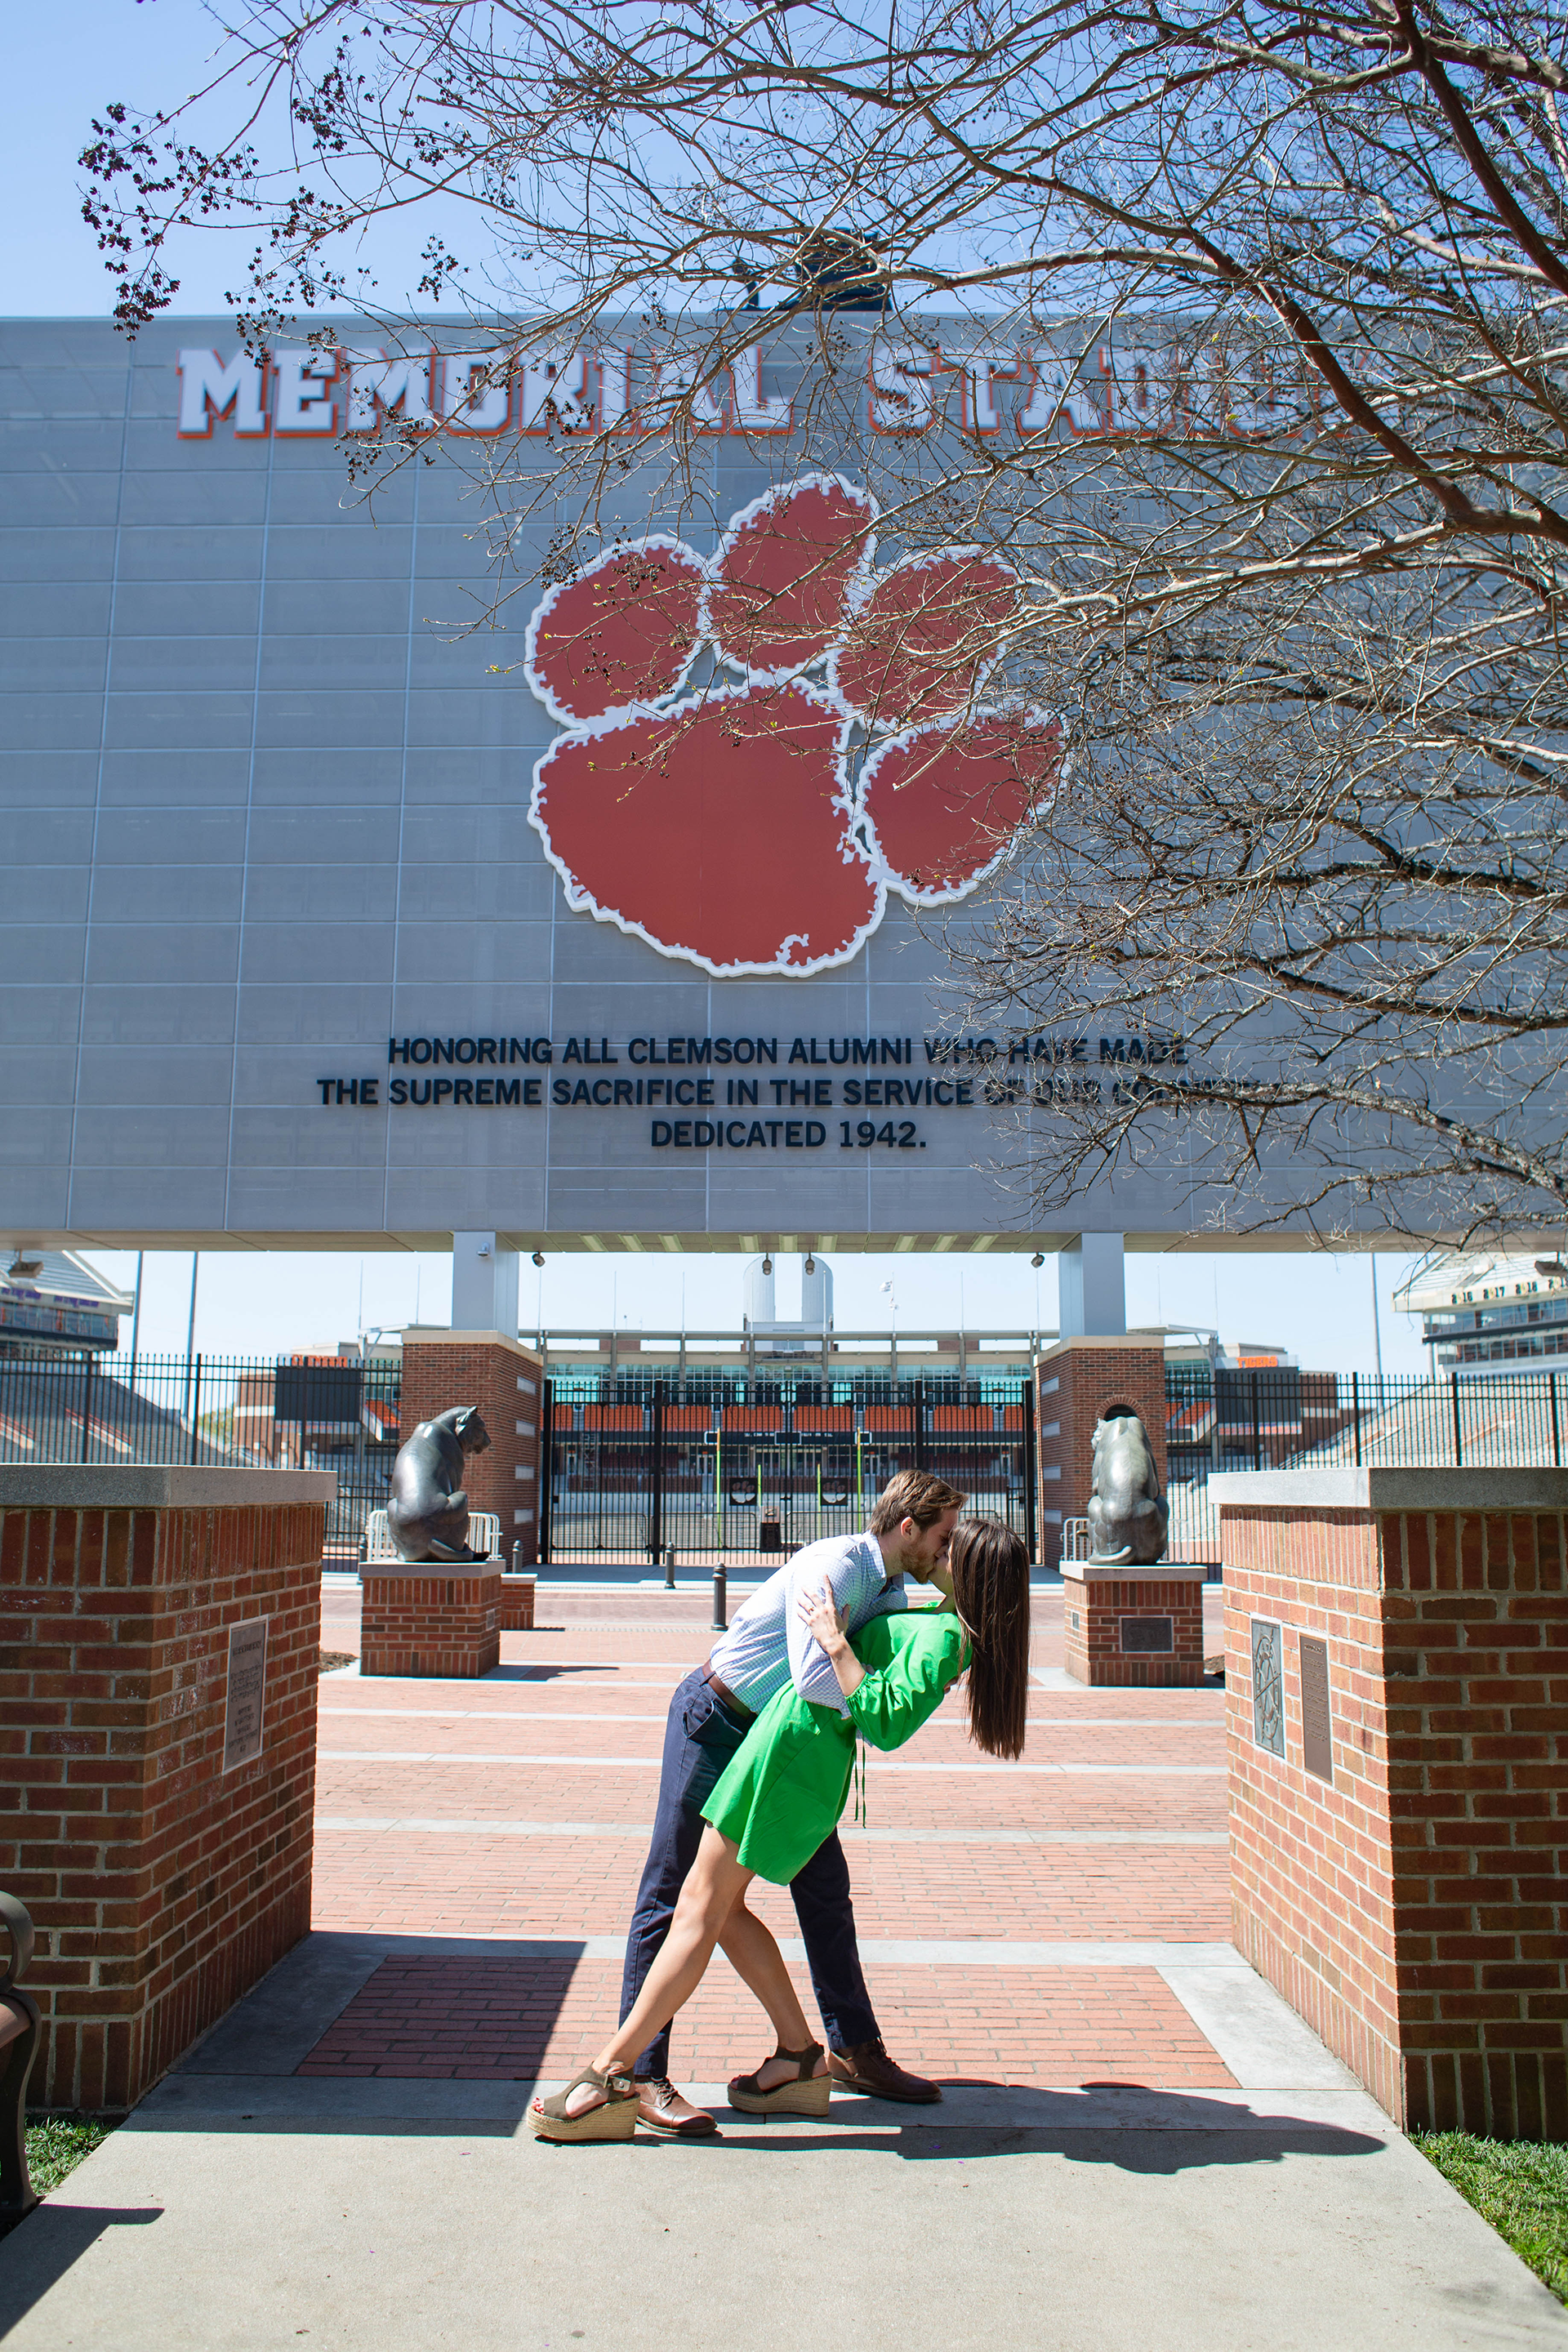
312, 395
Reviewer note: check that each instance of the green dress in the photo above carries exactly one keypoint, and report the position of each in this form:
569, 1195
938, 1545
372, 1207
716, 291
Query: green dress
784, 1790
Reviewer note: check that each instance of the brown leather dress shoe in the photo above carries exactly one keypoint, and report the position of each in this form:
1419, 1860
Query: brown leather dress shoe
661, 2108
866, 2066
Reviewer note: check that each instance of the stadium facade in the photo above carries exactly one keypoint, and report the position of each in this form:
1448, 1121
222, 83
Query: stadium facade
327, 922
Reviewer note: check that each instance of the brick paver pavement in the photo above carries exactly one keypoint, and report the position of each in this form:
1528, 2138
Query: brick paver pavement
476, 2019
518, 1806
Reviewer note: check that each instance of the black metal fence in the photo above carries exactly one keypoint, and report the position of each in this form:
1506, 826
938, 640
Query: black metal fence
229, 1411
1279, 1418
752, 1482
749, 1469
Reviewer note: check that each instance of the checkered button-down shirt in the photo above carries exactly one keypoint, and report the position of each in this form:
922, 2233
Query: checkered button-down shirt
768, 1644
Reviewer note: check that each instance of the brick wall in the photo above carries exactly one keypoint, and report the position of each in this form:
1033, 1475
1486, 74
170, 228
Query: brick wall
162, 1887
1411, 1907
1095, 1605
413, 1623
1080, 1381
441, 1368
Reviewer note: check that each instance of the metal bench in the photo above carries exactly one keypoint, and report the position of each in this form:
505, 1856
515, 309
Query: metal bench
484, 1534
19, 2029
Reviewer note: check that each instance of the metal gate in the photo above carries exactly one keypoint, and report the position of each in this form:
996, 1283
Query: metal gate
754, 1483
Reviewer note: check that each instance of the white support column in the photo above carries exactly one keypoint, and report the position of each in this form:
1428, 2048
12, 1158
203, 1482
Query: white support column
1092, 1277
484, 1285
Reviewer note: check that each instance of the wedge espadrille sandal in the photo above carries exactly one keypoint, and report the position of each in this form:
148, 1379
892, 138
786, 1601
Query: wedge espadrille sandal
804, 2093
614, 2119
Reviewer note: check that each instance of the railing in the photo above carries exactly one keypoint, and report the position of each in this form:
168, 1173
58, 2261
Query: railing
1280, 1418
378, 1549
763, 1465
319, 1413
749, 1468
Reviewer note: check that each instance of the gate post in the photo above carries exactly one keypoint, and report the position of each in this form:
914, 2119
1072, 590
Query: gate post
163, 1631
1394, 1639
1031, 1531
656, 1479
546, 1469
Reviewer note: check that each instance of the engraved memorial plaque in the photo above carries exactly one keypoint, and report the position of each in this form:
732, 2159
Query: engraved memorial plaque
1268, 1685
246, 1693
1148, 1633
1317, 1724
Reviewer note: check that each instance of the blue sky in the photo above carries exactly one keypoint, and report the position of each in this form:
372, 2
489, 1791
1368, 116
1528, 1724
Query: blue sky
66, 64
1320, 1308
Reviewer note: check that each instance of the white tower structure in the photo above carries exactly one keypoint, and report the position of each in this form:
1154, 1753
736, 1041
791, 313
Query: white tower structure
816, 1295
757, 1293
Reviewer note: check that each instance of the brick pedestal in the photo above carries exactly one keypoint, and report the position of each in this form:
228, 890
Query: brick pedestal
1396, 1677
487, 1369
161, 1885
1080, 1381
413, 1623
517, 1604
1134, 1628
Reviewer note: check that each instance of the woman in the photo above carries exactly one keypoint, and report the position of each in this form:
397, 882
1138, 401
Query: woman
781, 1794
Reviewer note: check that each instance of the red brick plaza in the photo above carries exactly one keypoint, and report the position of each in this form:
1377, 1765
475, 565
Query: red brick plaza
515, 1809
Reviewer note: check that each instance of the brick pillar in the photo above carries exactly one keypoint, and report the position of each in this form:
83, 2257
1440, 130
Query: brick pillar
1396, 1680
162, 1884
484, 1368
1080, 1381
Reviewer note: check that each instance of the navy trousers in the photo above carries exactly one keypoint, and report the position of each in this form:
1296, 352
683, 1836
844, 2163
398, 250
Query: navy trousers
699, 1741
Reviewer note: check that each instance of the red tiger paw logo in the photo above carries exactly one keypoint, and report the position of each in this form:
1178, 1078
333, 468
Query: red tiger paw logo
759, 746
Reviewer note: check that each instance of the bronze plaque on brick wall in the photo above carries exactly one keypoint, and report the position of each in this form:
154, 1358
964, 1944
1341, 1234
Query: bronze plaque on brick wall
1317, 1726
1148, 1633
1268, 1685
246, 1693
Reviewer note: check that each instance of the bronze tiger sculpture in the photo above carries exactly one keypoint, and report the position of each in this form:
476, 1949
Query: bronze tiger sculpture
428, 1508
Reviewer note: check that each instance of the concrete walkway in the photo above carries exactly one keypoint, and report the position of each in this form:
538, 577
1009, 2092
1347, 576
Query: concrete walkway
1139, 2145
246, 2206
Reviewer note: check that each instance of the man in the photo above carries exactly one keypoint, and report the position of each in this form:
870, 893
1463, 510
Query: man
910, 1534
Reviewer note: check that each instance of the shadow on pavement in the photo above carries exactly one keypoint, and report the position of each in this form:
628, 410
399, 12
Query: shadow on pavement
543, 1672
39, 2251
1206, 2135
1188, 2134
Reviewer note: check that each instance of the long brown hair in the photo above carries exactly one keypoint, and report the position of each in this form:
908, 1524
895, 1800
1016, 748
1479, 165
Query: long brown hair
991, 1587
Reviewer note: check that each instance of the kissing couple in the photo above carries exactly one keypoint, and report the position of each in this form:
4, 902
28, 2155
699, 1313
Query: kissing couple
758, 1756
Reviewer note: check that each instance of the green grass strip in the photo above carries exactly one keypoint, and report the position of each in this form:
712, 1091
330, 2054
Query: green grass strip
56, 2144
1520, 2187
